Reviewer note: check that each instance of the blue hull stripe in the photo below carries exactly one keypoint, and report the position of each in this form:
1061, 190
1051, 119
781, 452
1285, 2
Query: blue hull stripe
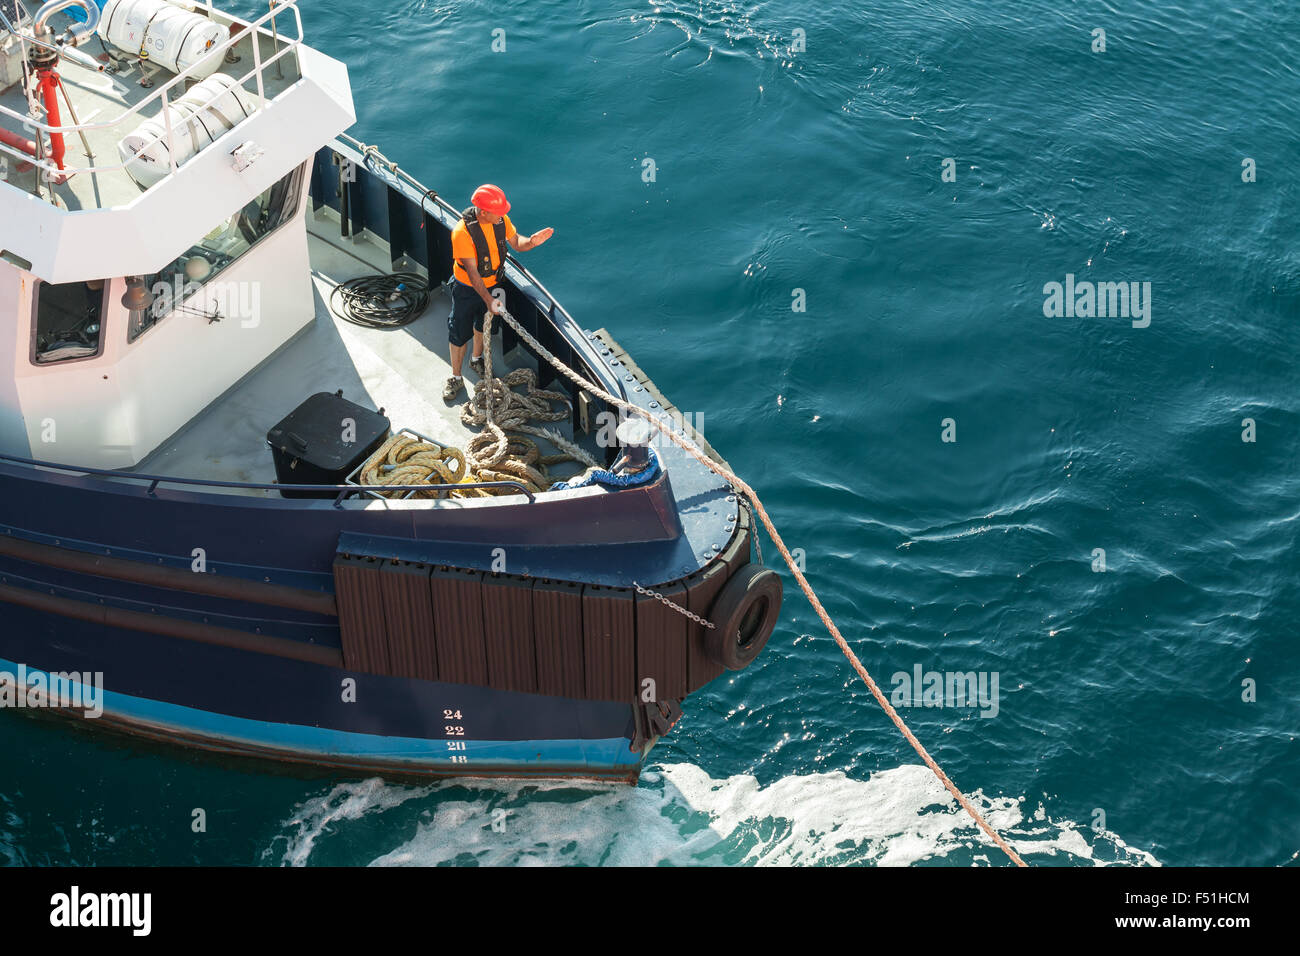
601, 757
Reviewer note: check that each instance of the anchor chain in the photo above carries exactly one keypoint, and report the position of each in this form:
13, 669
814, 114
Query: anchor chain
676, 607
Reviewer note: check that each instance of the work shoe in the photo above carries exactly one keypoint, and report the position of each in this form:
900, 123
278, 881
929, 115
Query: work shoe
476, 364
452, 388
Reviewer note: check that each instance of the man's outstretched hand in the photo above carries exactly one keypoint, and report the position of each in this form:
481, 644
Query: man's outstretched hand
537, 238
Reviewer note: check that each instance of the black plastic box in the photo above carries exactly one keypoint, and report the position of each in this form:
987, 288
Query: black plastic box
309, 445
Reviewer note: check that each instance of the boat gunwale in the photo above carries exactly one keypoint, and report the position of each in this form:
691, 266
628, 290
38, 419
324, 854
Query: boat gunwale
364, 495
343, 491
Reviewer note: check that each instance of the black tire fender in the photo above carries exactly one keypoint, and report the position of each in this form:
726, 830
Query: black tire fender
745, 613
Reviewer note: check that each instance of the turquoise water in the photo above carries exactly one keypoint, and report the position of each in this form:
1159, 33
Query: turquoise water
822, 169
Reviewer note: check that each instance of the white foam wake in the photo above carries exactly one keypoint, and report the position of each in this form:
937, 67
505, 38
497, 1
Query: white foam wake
681, 816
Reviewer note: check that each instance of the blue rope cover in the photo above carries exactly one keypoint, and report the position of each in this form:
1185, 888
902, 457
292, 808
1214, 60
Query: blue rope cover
606, 477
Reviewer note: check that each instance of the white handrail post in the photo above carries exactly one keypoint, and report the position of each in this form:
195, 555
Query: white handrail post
167, 121
257, 67
275, 42
297, 19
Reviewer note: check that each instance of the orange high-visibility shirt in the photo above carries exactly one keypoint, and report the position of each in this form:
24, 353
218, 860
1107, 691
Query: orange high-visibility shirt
462, 247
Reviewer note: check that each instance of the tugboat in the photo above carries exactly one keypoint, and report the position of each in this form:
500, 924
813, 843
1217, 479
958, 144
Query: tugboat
222, 353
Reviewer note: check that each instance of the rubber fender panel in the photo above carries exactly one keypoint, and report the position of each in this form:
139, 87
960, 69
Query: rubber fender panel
745, 612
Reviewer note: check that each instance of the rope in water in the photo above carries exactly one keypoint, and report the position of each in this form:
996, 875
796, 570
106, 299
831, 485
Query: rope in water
732, 479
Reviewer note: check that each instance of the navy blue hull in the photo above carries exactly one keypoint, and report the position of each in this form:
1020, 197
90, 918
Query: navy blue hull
241, 703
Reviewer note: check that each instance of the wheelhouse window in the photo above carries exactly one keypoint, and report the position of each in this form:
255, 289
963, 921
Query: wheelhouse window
217, 251
69, 321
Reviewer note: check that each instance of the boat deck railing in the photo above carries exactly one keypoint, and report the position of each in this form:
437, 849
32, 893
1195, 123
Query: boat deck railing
341, 492
264, 27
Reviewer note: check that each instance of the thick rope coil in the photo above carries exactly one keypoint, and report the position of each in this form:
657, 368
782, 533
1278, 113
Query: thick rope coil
742, 488
406, 460
509, 407
497, 408
491, 455
516, 460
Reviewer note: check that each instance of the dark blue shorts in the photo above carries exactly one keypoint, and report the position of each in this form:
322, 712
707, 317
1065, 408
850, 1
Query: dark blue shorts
466, 317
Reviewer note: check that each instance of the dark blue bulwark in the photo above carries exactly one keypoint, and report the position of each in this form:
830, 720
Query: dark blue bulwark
406, 232
372, 212
609, 565
324, 188
288, 541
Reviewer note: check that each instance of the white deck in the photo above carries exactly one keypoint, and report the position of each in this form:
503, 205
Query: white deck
400, 370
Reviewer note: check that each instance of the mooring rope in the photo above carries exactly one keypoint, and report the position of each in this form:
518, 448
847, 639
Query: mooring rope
736, 482
406, 460
491, 455
497, 408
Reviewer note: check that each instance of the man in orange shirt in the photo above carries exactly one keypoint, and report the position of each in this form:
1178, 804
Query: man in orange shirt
478, 250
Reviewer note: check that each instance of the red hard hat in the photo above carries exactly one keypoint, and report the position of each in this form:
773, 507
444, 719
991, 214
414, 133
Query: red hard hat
491, 199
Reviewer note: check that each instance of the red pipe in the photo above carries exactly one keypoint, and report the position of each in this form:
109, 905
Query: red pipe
17, 142
49, 83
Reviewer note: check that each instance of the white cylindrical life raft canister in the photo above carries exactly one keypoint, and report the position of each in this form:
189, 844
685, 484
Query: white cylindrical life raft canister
162, 33
199, 118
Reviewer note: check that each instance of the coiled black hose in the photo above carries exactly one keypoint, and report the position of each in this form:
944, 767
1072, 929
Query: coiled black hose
381, 301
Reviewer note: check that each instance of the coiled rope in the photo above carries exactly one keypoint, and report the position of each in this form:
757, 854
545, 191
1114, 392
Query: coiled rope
497, 408
736, 482
407, 460
381, 301
491, 455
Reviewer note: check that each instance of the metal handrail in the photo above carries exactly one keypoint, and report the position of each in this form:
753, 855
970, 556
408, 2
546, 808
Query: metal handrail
555, 306
343, 490
222, 47
162, 93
